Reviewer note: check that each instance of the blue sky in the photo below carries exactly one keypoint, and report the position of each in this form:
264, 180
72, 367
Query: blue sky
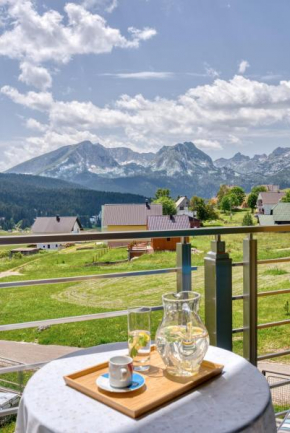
143, 74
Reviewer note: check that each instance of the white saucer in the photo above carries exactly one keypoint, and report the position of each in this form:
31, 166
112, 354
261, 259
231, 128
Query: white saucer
104, 383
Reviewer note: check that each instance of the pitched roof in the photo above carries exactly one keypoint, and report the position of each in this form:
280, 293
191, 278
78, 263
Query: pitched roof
129, 214
266, 220
180, 200
271, 197
54, 224
281, 212
167, 222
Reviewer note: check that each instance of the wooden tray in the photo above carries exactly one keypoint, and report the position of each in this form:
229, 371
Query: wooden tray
159, 386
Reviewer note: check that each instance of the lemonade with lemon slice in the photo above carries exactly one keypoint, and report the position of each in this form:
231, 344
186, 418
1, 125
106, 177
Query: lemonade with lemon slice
139, 342
139, 337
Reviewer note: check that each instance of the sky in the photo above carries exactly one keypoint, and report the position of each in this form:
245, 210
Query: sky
144, 74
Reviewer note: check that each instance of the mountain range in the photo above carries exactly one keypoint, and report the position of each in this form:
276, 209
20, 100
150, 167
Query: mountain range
183, 168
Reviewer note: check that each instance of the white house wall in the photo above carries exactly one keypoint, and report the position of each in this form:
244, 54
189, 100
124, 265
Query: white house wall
267, 208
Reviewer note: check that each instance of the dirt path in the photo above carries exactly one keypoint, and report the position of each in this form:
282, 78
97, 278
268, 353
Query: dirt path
9, 273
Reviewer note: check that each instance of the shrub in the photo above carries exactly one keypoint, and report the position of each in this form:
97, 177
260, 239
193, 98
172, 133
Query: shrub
248, 220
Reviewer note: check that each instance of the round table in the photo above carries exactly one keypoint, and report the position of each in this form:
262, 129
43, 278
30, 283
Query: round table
237, 401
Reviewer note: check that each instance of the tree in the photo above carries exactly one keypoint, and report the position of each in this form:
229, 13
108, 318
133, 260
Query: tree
195, 202
286, 198
225, 204
168, 205
239, 193
204, 211
252, 200
253, 196
228, 202
224, 190
248, 220
259, 188
162, 192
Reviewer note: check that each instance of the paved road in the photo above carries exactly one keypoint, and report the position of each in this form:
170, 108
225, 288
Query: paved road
29, 353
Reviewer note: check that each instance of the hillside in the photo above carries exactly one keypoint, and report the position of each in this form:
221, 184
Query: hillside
23, 197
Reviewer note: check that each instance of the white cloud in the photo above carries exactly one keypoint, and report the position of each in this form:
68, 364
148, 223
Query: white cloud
243, 66
144, 75
36, 76
215, 115
49, 37
211, 72
41, 101
34, 124
208, 144
103, 5
142, 35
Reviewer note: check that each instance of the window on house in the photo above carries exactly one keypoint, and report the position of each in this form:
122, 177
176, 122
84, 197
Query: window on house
168, 239
48, 246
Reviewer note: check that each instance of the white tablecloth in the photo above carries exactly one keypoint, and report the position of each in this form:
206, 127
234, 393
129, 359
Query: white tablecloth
237, 401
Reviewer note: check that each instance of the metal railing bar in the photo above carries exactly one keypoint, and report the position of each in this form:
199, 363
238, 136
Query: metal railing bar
276, 385
108, 315
265, 261
4, 389
269, 261
237, 330
6, 412
237, 297
22, 367
265, 325
87, 277
72, 319
273, 355
274, 292
263, 294
8, 381
273, 324
133, 235
281, 413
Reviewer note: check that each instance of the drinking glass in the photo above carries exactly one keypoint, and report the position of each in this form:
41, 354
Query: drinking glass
139, 337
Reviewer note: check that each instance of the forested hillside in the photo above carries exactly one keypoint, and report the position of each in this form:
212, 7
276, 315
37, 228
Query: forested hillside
23, 197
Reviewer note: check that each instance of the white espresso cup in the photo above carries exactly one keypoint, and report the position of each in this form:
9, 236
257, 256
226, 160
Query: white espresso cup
120, 371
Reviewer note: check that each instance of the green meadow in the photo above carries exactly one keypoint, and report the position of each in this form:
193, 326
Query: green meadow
68, 299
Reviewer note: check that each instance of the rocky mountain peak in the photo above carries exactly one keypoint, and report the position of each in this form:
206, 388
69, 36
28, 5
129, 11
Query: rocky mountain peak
183, 168
238, 157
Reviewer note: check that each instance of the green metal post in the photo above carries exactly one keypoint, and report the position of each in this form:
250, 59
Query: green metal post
218, 295
250, 299
183, 257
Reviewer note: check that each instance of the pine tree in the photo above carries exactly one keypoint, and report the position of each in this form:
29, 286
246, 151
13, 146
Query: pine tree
248, 220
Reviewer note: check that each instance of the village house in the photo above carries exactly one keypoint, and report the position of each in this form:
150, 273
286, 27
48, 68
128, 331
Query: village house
54, 225
267, 200
127, 217
167, 222
280, 214
182, 207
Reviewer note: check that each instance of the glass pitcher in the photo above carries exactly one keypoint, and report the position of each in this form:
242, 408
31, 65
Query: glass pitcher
182, 339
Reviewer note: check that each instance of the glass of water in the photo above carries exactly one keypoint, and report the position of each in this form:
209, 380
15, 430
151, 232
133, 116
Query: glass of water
139, 337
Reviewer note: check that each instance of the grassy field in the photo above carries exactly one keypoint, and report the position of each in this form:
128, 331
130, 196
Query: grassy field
60, 300
69, 299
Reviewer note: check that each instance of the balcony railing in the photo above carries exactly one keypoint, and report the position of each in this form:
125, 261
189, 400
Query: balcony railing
218, 282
